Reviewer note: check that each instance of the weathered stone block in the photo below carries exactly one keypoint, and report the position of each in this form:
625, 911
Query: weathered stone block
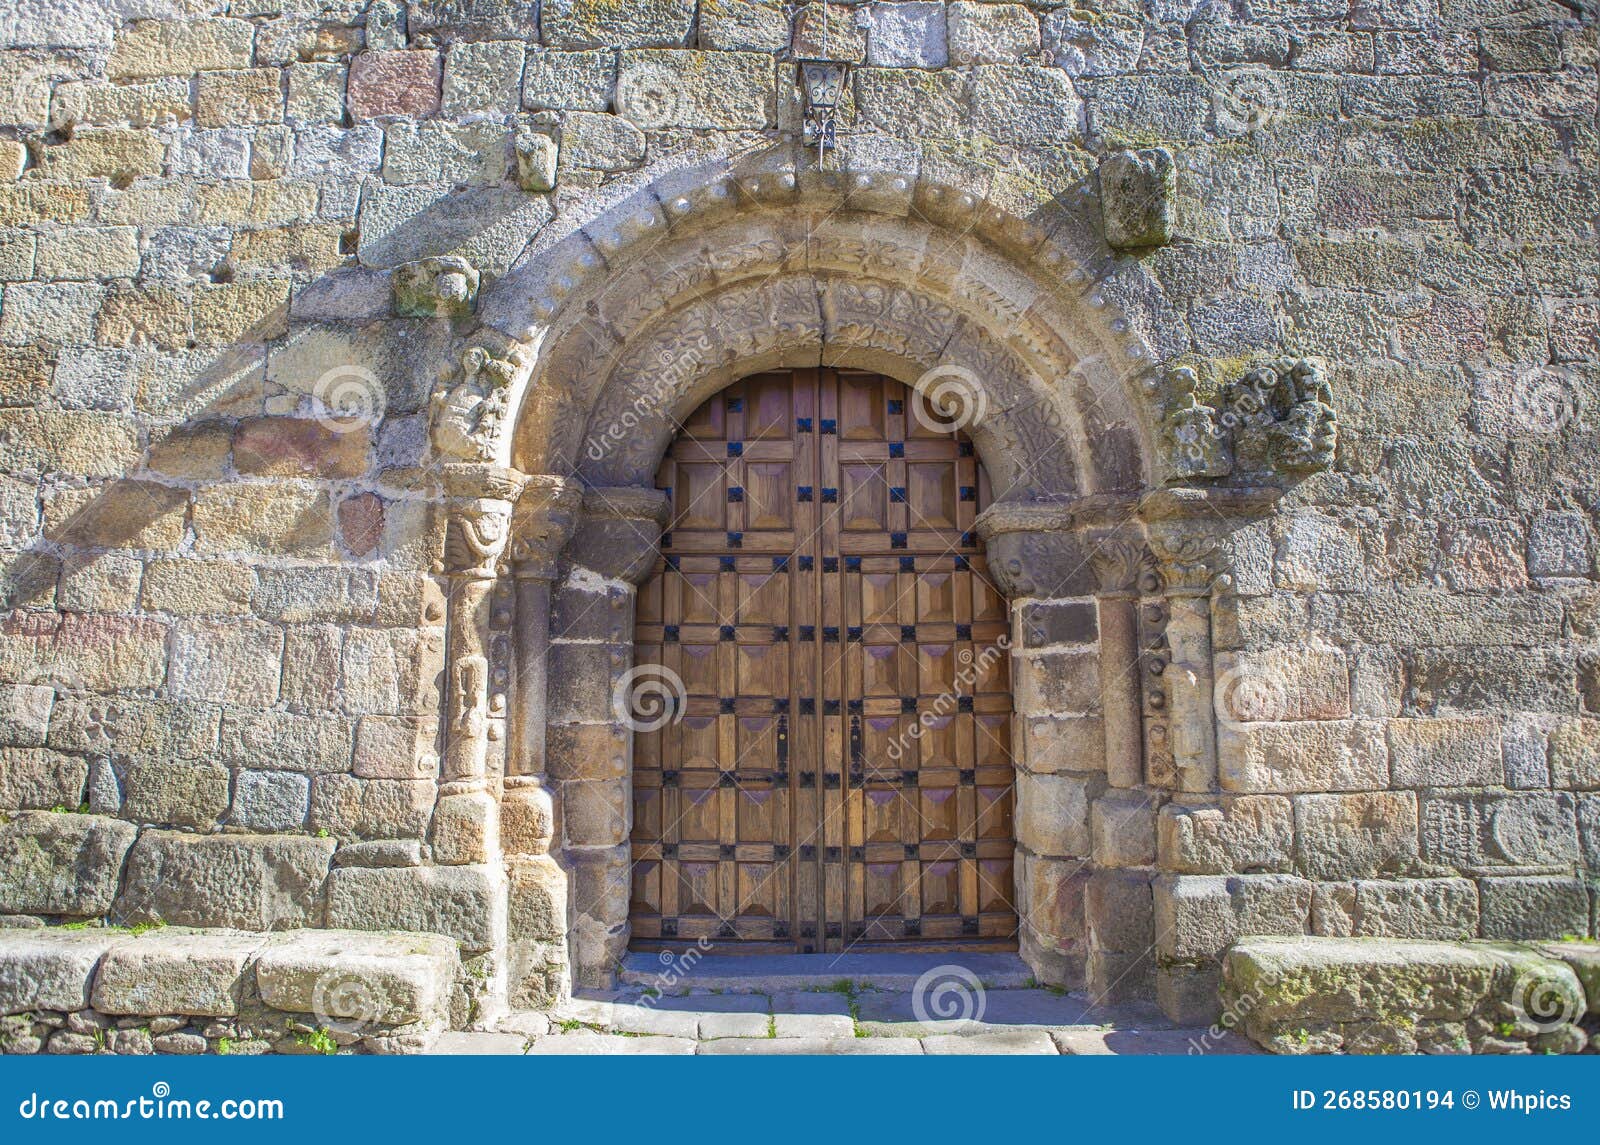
604, 143
176, 972
57, 864
170, 792
1060, 682
276, 518
1445, 752
907, 34
724, 90
1138, 198
591, 24
151, 48
392, 978
1309, 756
285, 741
1241, 834
1279, 684
570, 81
484, 76
347, 807
1052, 813
1416, 908
226, 661
1355, 836
36, 779
1199, 916
537, 156
50, 969
1473, 831
992, 33
394, 83
1123, 828
271, 800
1540, 906
1574, 754
461, 902
253, 882
1318, 995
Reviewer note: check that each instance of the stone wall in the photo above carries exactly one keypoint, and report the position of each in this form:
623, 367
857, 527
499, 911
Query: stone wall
241, 244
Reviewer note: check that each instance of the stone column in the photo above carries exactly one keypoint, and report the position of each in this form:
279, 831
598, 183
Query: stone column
590, 748
537, 974
1118, 907
477, 661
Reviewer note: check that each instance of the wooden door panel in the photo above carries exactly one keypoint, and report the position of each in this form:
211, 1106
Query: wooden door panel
842, 773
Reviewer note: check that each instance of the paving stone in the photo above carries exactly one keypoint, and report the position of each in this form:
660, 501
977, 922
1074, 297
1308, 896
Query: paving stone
1003, 1042
813, 1025
734, 1026
588, 1043
478, 1044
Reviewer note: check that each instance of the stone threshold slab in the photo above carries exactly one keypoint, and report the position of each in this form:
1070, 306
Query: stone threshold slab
770, 973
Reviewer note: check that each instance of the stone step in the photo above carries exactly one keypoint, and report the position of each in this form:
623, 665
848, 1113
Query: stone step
776, 973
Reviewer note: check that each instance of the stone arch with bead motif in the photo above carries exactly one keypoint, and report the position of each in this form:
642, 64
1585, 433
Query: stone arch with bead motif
1008, 311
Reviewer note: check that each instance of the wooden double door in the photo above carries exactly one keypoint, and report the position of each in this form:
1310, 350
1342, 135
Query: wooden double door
837, 774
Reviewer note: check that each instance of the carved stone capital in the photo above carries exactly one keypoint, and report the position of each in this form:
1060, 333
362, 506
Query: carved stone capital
1186, 527
618, 530
541, 524
1118, 560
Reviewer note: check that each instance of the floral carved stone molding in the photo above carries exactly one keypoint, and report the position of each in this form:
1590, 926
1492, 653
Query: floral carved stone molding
1277, 418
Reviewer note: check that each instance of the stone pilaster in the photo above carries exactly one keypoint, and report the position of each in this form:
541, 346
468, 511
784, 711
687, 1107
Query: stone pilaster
1186, 528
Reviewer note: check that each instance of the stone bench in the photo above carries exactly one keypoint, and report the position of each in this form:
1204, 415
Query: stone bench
189, 991
1384, 995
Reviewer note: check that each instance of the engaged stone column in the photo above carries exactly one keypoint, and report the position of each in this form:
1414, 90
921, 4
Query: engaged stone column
590, 747
477, 659
1118, 905
536, 923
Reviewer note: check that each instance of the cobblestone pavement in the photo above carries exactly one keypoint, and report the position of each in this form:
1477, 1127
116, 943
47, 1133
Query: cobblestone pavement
840, 1020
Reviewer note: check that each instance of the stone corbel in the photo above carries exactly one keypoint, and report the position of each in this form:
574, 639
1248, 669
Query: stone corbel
1186, 528
477, 655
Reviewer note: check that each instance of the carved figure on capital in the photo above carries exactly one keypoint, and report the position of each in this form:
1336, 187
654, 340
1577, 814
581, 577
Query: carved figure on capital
475, 536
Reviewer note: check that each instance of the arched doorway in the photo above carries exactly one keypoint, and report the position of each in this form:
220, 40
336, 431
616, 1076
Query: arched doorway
835, 771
